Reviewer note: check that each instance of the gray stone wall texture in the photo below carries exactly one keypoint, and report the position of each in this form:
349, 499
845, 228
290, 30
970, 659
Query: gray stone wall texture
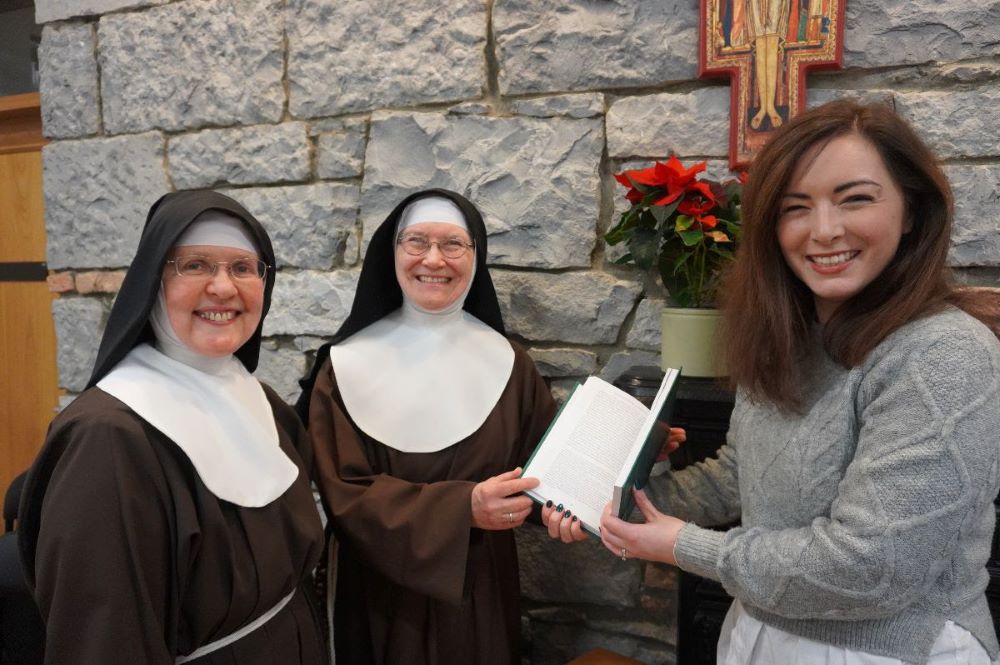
319, 115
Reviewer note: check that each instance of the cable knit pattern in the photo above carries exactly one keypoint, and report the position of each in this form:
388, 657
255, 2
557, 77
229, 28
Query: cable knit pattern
867, 519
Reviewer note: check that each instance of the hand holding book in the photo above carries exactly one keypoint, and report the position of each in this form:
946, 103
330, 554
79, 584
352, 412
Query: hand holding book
601, 444
563, 525
653, 540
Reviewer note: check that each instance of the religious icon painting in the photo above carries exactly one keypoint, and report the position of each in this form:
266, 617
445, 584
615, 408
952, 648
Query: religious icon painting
766, 47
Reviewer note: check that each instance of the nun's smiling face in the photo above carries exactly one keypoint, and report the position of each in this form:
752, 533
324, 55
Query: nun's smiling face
213, 315
433, 281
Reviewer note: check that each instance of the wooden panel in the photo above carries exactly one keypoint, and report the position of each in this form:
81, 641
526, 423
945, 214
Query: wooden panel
21, 122
21, 216
29, 381
29, 387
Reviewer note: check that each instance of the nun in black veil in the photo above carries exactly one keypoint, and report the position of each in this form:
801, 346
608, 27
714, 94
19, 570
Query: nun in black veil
421, 413
169, 517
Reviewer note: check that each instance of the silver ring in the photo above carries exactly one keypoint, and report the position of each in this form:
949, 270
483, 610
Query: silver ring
510, 518
624, 553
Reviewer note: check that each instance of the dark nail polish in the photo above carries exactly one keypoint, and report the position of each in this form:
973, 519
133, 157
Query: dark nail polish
548, 504
567, 514
559, 508
574, 518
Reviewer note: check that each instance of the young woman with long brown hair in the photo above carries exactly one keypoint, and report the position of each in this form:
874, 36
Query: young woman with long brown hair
862, 456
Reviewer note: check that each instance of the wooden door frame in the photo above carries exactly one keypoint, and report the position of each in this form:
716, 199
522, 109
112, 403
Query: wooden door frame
20, 118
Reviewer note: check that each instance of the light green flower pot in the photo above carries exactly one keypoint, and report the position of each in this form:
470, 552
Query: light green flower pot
688, 340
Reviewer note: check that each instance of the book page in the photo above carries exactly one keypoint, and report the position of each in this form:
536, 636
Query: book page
582, 453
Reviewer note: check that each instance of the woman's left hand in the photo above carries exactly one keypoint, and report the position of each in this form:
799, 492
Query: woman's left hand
653, 541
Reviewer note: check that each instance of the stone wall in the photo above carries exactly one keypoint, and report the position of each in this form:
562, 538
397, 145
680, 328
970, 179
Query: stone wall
319, 115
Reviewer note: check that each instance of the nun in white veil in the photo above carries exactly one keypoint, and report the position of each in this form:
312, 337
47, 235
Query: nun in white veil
169, 517
421, 413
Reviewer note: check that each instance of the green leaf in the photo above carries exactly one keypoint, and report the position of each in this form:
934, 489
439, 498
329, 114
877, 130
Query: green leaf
662, 213
683, 223
692, 237
644, 246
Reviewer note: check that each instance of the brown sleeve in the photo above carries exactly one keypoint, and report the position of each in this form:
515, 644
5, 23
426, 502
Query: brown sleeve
103, 565
416, 535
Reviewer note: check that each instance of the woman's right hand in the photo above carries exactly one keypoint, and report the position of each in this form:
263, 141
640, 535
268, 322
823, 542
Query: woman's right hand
494, 504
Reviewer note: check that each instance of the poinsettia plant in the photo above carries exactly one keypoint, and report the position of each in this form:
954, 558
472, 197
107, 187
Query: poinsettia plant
685, 226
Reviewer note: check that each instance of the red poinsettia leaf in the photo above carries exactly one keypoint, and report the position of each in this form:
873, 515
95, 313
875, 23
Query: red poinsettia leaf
708, 221
682, 175
669, 198
647, 176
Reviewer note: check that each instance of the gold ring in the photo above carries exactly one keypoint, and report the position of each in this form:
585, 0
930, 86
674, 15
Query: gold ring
624, 552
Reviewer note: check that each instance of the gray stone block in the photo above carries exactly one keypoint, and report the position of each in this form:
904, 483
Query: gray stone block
584, 45
692, 123
976, 236
820, 96
577, 307
955, 123
79, 323
535, 181
310, 303
585, 572
589, 105
58, 10
311, 226
281, 368
341, 154
97, 194
564, 362
192, 64
356, 55
241, 156
881, 33
645, 330
623, 360
471, 108
68, 86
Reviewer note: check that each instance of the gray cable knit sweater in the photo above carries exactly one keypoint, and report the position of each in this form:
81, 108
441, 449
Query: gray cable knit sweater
867, 519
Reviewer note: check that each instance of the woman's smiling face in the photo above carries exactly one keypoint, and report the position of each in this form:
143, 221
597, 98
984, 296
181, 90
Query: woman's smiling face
840, 220
213, 315
433, 281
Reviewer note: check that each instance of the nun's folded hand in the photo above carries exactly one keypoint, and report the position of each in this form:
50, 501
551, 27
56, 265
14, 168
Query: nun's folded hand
498, 502
562, 523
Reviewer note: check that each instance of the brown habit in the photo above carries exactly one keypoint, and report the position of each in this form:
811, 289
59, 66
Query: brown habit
138, 562
415, 583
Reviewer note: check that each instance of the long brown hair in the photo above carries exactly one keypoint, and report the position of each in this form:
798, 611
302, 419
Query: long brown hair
767, 310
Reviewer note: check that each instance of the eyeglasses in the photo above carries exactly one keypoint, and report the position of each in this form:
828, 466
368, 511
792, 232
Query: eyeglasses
240, 269
418, 245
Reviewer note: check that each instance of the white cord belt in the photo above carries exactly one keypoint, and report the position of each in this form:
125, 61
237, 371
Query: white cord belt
238, 635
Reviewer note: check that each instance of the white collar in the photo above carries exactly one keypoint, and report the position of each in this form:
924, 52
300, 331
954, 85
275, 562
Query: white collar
420, 382
220, 419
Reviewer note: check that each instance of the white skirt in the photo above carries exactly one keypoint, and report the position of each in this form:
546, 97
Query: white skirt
747, 641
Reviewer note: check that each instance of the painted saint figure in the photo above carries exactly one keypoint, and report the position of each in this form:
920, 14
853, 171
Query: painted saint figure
767, 21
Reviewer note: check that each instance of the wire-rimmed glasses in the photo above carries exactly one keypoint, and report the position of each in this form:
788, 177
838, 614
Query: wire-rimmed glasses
239, 269
417, 244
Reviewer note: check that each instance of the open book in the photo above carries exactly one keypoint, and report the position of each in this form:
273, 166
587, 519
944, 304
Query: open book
602, 442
